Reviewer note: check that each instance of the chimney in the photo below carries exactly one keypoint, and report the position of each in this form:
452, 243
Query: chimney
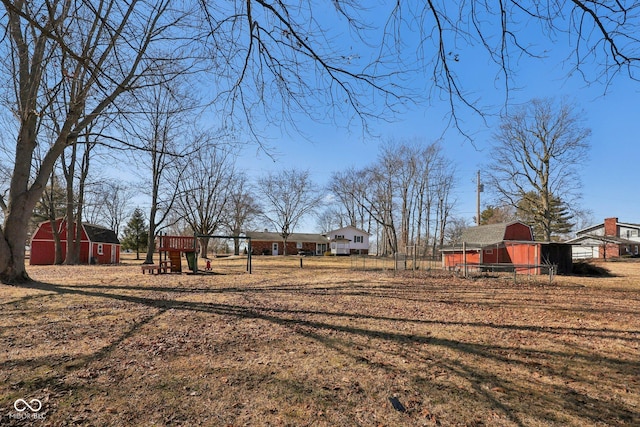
611, 227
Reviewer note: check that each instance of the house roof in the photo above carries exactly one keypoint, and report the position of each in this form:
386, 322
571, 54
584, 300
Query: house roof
590, 239
99, 234
269, 236
601, 225
345, 228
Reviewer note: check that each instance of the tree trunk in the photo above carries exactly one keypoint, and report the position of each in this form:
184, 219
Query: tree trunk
69, 173
12, 246
236, 245
57, 243
151, 239
204, 245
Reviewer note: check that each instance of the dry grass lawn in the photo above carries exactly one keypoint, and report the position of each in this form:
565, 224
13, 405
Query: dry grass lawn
319, 346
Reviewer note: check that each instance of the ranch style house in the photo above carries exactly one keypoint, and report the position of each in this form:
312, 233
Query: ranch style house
343, 241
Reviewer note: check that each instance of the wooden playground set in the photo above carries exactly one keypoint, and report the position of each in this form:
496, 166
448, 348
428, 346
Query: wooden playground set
171, 249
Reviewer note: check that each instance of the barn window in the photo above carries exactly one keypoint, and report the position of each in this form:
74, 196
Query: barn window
100, 249
488, 251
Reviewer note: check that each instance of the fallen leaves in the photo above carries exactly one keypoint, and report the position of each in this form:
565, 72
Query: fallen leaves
320, 347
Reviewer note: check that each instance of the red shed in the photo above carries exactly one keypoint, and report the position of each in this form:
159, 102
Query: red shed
98, 245
507, 245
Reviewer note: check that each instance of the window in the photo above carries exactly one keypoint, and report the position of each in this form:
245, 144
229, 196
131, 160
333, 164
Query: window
100, 249
488, 251
339, 236
358, 239
298, 245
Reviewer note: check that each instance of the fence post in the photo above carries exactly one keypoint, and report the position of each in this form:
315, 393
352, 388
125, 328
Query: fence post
464, 258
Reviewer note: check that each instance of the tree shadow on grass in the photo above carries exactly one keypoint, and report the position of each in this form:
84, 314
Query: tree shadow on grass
499, 394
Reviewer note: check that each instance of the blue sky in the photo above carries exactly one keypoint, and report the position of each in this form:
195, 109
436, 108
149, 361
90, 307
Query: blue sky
613, 114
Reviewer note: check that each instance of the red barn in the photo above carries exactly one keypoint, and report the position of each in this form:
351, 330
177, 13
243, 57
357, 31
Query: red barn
98, 245
505, 245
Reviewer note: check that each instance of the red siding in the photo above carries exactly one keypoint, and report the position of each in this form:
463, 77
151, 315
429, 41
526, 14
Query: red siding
453, 258
524, 254
43, 246
495, 256
518, 231
107, 250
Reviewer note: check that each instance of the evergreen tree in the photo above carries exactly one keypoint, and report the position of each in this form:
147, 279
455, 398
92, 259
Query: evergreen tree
554, 222
135, 235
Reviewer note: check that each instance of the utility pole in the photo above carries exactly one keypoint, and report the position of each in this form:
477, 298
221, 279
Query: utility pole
480, 189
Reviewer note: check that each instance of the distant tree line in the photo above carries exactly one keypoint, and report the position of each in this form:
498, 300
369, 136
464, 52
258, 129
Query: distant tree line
85, 81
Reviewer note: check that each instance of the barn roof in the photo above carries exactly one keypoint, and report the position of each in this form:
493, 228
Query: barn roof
99, 234
483, 235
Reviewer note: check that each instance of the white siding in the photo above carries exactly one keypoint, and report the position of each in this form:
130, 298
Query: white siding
361, 243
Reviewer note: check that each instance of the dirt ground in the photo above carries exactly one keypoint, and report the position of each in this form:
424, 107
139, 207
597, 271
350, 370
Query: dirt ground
321, 345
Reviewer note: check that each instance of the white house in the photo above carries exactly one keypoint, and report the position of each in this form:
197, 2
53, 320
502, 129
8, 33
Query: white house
348, 240
608, 239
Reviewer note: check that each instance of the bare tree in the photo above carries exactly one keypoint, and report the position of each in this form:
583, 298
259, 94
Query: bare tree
445, 183
115, 201
455, 228
428, 161
347, 186
537, 150
87, 54
378, 199
260, 55
99, 51
287, 197
205, 189
407, 192
76, 194
162, 127
242, 207
598, 40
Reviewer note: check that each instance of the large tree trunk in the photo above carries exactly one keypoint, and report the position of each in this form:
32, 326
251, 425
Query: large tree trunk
22, 201
12, 243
